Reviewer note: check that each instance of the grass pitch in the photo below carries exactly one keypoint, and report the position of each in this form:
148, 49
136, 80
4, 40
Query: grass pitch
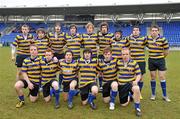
158, 109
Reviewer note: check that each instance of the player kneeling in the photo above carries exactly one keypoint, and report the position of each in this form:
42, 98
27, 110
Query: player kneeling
107, 67
129, 75
31, 72
69, 68
88, 75
48, 77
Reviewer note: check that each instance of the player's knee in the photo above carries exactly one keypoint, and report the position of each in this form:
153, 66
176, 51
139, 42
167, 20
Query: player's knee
136, 89
114, 86
106, 100
125, 104
84, 102
47, 99
55, 85
18, 85
33, 99
73, 85
94, 90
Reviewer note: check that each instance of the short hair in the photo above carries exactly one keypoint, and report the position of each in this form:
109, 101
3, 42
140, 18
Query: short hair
125, 48
107, 49
25, 25
89, 24
87, 50
68, 51
136, 27
104, 24
73, 25
40, 29
155, 26
49, 50
118, 30
33, 45
57, 24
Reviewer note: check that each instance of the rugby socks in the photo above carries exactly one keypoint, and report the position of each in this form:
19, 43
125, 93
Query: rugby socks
163, 86
71, 94
137, 106
57, 96
113, 95
153, 86
52, 92
91, 98
76, 92
21, 98
140, 84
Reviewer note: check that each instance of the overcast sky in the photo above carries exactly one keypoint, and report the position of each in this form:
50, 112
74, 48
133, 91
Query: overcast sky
35, 3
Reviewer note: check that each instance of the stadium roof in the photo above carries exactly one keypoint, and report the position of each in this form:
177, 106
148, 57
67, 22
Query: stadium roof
112, 9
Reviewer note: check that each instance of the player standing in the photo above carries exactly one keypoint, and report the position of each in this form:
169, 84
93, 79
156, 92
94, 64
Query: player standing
158, 50
137, 48
90, 39
42, 42
73, 41
117, 44
20, 48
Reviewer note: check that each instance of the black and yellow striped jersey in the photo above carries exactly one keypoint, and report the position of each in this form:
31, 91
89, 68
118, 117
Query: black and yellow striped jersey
57, 42
90, 41
73, 43
105, 40
108, 69
127, 72
117, 46
43, 45
22, 44
157, 47
48, 70
137, 48
68, 70
87, 71
32, 68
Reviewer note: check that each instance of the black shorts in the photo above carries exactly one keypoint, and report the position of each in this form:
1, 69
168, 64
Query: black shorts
66, 85
84, 91
106, 89
34, 91
59, 56
124, 92
157, 64
142, 66
46, 88
20, 60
